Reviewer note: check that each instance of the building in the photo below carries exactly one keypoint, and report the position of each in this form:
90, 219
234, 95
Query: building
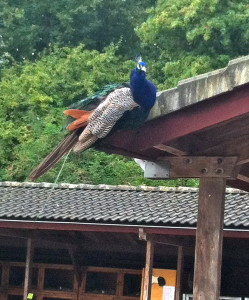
86, 245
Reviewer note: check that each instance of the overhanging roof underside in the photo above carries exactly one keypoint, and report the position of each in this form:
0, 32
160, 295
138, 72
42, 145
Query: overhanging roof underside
207, 115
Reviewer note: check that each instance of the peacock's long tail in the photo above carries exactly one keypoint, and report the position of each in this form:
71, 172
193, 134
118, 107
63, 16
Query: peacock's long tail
50, 160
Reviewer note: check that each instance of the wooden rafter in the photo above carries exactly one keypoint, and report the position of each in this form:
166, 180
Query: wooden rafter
170, 149
38, 235
76, 264
131, 239
243, 178
167, 240
243, 161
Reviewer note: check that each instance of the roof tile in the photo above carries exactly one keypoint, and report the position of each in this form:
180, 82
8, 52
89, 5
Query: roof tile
115, 204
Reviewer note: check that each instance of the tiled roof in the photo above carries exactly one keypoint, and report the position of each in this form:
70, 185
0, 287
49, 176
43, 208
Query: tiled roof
113, 204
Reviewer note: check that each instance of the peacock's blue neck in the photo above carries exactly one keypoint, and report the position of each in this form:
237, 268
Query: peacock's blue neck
143, 91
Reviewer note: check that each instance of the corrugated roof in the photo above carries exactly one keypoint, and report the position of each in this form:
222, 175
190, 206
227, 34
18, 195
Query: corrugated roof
113, 204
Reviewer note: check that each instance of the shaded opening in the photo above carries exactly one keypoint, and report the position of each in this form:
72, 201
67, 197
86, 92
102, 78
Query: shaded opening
101, 283
17, 275
132, 285
61, 280
14, 297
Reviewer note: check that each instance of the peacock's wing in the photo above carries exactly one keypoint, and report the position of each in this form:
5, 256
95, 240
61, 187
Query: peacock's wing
93, 101
132, 119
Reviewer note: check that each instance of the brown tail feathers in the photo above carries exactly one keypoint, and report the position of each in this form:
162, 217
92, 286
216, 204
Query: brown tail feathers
64, 147
81, 117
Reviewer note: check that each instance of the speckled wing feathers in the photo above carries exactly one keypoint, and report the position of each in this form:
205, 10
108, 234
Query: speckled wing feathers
105, 117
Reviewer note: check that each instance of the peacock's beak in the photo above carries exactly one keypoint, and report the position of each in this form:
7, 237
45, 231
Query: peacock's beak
143, 69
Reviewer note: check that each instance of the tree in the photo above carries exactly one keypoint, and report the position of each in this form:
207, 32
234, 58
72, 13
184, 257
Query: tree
27, 27
34, 95
189, 37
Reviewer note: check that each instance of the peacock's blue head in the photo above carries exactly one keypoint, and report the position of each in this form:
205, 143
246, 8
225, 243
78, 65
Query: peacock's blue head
141, 66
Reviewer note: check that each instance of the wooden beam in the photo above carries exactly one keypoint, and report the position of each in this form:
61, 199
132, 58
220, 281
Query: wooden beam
178, 291
142, 234
191, 167
130, 238
243, 161
212, 112
243, 178
209, 238
148, 271
170, 149
167, 240
75, 261
38, 235
15, 233
28, 268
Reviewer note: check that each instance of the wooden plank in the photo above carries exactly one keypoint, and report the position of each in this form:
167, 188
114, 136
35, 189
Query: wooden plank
148, 271
142, 234
237, 146
202, 166
191, 167
243, 161
224, 132
178, 291
209, 238
28, 268
170, 149
132, 239
243, 178
167, 240
39, 236
75, 261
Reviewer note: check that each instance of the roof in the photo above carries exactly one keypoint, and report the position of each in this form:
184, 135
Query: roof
202, 87
206, 115
154, 206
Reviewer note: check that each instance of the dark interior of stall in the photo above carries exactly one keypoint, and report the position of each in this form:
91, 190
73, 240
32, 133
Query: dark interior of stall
96, 260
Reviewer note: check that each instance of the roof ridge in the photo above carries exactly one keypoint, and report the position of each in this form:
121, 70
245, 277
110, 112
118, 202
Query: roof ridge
108, 187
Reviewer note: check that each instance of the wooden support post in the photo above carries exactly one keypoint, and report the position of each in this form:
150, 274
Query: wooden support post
28, 268
209, 238
178, 292
75, 261
148, 270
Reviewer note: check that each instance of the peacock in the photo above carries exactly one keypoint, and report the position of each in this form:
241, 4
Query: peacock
116, 106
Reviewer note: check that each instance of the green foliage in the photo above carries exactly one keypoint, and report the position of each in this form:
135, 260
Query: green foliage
29, 26
189, 37
34, 95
